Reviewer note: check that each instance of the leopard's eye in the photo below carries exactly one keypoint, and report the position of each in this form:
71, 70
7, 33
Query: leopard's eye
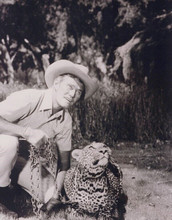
91, 147
95, 162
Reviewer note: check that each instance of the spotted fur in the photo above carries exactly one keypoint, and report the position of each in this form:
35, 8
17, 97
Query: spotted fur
95, 183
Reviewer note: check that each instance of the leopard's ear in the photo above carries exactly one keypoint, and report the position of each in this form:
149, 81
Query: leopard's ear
76, 154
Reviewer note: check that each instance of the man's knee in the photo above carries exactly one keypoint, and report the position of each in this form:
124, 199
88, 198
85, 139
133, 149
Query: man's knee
8, 143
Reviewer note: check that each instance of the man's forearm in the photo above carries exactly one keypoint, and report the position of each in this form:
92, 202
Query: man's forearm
64, 165
59, 183
64, 160
36, 137
9, 128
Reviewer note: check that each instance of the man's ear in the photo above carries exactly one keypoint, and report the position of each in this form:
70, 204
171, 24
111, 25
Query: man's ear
56, 82
76, 154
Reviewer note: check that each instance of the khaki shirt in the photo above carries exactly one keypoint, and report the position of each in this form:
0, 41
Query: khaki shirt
33, 108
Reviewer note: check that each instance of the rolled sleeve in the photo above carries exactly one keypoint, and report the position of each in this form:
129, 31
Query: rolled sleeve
15, 106
63, 138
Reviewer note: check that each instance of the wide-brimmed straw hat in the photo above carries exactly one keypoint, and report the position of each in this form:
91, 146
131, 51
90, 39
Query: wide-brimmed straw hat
62, 67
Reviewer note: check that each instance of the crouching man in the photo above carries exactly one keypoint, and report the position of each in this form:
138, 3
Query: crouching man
40, 115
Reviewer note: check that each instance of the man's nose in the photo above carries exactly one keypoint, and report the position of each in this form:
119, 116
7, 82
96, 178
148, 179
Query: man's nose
72, 92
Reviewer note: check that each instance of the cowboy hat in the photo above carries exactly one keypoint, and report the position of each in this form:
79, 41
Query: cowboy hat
61, 67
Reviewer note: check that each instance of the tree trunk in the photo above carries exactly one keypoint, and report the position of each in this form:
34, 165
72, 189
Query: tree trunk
7, 65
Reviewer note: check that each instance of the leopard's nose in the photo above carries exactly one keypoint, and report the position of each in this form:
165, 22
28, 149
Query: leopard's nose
103, 151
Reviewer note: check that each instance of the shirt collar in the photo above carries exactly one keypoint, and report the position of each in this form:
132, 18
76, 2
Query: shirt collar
47, 105
47, 100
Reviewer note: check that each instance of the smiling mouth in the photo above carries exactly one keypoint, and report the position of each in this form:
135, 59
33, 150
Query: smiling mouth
69, 100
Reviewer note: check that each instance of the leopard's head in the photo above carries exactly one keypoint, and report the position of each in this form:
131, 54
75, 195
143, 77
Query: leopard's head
93, 158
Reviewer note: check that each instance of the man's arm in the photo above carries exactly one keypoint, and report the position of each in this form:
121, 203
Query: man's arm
64, 165
33, 136
59, 184
9, 128
63, 141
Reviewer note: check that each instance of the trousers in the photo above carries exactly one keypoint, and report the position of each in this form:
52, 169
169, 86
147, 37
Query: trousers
9, 147
8, 156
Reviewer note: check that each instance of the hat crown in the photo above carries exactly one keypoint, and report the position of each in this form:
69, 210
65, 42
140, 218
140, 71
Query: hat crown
61, 67
82, 68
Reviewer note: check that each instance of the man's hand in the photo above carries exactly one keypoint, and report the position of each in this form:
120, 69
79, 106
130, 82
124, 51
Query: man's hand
52, 203
35, 136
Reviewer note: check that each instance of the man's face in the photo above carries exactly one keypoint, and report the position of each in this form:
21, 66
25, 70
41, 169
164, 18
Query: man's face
67, 91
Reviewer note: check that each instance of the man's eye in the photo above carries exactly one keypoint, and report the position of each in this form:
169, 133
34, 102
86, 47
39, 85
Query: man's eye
70, 87
79, 92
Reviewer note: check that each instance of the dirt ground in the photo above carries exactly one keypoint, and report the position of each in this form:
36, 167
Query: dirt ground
147, 179
149, 190
149, 193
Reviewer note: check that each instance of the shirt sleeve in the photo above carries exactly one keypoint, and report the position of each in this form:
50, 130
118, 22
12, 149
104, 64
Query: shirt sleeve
16, 106
64, 137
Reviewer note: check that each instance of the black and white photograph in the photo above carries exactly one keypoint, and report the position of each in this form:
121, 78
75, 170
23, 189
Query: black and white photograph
85, 110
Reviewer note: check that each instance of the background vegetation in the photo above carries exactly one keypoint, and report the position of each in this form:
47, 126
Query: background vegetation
126, 45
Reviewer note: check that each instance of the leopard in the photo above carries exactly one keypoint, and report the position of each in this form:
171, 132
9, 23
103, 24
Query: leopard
94, 184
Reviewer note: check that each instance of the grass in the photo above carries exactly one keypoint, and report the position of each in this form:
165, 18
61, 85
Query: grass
145, 156
139, 115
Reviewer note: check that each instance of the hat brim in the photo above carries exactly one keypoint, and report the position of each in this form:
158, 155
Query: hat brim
62, 67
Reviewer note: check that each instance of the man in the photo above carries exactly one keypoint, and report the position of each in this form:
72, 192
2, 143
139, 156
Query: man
40, 115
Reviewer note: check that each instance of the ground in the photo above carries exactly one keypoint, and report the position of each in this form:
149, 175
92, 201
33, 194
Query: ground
149, 193
146, 178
